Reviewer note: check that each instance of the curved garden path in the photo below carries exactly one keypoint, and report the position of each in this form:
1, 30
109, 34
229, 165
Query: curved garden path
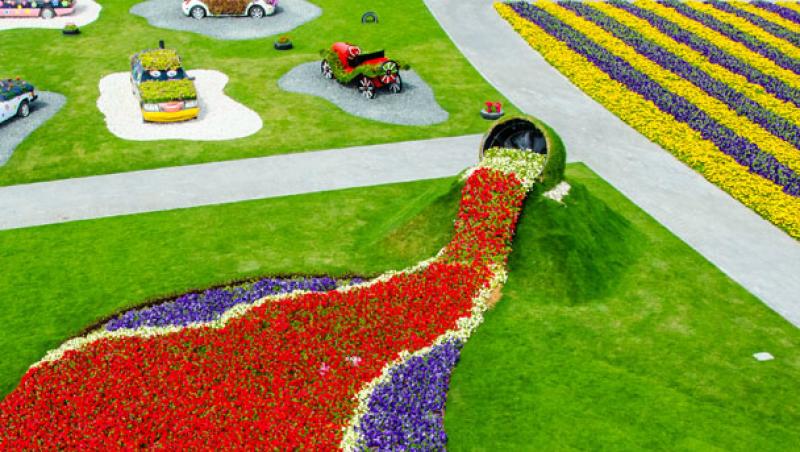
750, 250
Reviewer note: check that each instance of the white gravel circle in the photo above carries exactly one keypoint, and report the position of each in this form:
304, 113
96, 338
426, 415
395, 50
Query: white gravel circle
221, 118
414, 106
289, 15
15, 130
86, 12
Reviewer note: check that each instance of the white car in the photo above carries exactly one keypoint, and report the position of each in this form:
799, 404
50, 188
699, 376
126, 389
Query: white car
256, 9
16, 97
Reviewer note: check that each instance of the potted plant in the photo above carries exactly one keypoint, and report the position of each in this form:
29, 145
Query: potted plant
492, 111
283, 43
71, 29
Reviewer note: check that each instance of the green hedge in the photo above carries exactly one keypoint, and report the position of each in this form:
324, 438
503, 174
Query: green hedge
153, 92
160, 60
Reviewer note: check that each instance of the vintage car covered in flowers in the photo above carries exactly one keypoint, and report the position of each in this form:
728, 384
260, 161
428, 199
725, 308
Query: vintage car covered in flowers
256, 9
16, 97
46, 9
164, 90
368, 71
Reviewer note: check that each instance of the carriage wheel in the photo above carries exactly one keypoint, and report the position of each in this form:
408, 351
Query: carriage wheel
197, 12
48, 13
366, 87
256, 12
24, 109
325, 67
397, 86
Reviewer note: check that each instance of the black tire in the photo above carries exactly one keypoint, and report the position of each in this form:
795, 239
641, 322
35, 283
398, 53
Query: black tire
47, 13
197, 12
256, 12
396, 87
366, 87
326, 70
24, 109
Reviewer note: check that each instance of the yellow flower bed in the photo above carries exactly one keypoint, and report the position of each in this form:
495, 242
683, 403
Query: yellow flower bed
736, 49
766, 15
735, 81
785, 152
746, 26
685, 143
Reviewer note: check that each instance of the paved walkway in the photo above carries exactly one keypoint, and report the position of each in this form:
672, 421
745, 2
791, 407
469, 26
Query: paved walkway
750, 250
238, 180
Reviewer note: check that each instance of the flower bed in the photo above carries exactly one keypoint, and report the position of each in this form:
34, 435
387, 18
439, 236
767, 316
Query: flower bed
691, 95
281, 372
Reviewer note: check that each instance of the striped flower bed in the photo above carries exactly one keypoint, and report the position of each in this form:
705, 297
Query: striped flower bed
307, 370
691, 77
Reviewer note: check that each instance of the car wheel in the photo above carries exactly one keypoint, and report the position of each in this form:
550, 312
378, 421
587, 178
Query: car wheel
396, 86
197, 12
366, 87
24, 109
256, 12
327, 72
48, 13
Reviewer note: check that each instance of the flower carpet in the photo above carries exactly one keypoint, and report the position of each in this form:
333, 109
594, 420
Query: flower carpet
717, 84
330, 364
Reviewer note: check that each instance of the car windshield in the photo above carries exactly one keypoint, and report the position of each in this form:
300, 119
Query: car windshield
172, 74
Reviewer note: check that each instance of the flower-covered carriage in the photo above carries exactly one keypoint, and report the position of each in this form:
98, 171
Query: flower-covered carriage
369, 71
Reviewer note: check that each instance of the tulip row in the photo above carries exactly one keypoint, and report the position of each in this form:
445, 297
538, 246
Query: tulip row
776, 26
764, 128
731, 55
779, 9
284, 372
743, 150
645, 114
767, 46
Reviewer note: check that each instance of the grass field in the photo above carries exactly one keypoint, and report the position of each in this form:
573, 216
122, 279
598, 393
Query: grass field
77, 143
56, 280
614, 334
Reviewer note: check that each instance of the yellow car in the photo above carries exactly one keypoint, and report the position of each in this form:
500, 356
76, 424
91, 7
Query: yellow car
164, 91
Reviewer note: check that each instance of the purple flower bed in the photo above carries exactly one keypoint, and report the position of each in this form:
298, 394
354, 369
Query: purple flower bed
211, 304
407, 413
716, 55
782, 11
771, 28
742, 150
737, 35
736, 101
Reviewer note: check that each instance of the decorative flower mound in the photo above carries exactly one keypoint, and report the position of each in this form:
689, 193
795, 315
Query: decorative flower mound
715, 83
211, 304
409, 408
285, 372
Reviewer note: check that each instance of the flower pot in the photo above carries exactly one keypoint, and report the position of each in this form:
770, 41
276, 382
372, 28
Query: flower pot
491, 116
283, 45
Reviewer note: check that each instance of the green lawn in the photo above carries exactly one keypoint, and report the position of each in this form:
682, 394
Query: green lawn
613, 334
56, 280
77, 143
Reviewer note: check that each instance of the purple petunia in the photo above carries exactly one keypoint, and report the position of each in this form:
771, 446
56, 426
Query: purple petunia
211, 304
407, 412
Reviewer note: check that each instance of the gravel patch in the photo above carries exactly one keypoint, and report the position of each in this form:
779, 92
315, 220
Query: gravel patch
289, 15
414, 106
221, 118
86, 12
15, 130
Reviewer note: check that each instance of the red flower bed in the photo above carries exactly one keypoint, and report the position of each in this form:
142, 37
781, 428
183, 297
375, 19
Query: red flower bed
282, 376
